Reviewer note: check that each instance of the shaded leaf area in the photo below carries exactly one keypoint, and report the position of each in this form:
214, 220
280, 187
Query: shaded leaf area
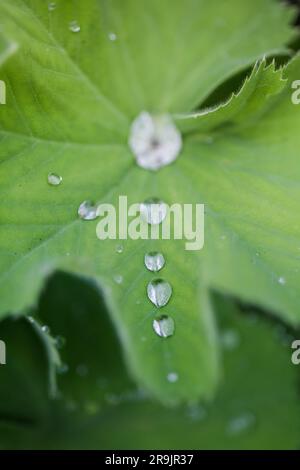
257, 406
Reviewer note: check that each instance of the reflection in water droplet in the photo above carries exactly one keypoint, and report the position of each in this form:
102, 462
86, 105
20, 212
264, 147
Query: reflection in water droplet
54, 179
112, 36
87, 210
82, 370
172, 377
119, 248
45, 329
154, 140
159, 292
74, 27
230, 339
281, 280
241, 423
164, 326
153, 210
118, 278
154, 261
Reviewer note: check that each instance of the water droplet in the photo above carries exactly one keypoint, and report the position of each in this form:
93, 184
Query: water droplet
60, 341
54, 179
87, 210
112, 36
51, 6
164, 326
154, 261
281, 280
119, 248
31, 319
74, 26
230, 339
62, 368
154, 140
241, 423
159, 292
45, 329
118, 278
82, 370
172, 377
153, 210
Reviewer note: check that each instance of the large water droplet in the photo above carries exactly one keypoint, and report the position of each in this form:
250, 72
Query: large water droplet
87, 210
74, 26
154, 140
153, 210
154, 261
164, 326
159, 292
54, 179
241, 423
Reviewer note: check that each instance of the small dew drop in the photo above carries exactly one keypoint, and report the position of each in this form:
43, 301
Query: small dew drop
87, 210
154, 140
154, 261
45, 329
281, 280
119, 249
51, 6
54, 179
172, 377
159, 292
118, 279
74, 26
153, 211
31, 319
241, 423
164, 326
112, 36
230, 339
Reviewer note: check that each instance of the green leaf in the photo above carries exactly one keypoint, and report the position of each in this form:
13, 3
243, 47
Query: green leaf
28, 376
69, 111
244, 107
